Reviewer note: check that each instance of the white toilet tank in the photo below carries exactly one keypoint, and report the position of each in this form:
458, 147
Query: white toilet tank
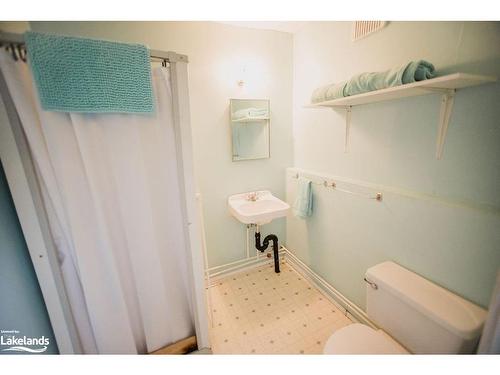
422, 316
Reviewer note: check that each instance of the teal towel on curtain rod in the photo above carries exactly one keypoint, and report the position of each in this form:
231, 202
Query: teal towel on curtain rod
87, 75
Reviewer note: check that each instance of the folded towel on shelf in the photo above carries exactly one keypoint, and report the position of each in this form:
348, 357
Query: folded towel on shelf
328, 92
303, 202
250, 112
87, 75
365, 82
418, 71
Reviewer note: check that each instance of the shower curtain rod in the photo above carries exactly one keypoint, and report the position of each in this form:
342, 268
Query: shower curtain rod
17, 40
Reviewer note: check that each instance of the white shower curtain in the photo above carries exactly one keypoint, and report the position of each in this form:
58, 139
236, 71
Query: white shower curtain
110, 184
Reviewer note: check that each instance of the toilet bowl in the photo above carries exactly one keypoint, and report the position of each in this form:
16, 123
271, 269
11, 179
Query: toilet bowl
423, 317
361, 339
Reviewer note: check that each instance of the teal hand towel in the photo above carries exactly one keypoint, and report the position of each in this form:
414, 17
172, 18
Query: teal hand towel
87, 75
303, 202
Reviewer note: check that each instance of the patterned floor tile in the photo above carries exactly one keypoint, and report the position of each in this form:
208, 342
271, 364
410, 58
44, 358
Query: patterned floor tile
261, 312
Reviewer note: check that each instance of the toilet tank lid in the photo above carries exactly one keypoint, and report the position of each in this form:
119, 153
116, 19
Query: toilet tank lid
458, 315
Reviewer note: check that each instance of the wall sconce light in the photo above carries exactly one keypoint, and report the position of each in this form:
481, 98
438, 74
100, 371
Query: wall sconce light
243, 76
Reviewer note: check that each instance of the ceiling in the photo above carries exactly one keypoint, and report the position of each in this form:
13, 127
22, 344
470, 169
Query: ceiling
285, 26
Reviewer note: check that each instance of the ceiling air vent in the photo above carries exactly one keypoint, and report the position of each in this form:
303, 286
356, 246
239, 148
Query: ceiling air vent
364, 28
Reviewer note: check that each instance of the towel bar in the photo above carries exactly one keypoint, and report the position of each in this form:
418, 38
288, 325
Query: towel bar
333, 185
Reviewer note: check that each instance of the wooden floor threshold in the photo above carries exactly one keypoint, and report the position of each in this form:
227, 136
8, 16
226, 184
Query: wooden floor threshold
184, 346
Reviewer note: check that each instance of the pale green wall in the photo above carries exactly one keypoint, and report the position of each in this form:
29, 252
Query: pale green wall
393, 143
219, 56
22, 307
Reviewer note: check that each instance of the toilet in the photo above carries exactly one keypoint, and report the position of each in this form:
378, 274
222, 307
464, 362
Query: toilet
414, 316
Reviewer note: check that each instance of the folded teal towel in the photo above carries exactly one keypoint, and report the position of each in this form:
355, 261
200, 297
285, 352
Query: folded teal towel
250, 112
303, 201
365, 82
86, 75
328, 92
418, 71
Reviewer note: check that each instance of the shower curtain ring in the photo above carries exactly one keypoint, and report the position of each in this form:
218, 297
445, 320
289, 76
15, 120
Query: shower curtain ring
13, 50
21, 52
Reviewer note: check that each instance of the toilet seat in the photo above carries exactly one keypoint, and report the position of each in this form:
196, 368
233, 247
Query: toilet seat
361, 339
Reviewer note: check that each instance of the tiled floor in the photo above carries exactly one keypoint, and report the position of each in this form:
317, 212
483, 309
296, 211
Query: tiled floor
261, 312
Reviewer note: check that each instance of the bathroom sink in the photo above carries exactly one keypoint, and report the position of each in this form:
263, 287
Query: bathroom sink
259, 207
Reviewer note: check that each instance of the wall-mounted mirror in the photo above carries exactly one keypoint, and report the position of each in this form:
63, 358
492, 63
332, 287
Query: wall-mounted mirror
250, 128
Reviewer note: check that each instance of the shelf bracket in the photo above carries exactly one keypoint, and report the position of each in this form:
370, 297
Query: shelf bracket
447, 100
347, 127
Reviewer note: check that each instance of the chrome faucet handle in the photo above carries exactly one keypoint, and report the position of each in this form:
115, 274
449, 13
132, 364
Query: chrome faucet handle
252, 196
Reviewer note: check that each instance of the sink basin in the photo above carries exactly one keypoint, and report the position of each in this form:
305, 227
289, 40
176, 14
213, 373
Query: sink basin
265, 208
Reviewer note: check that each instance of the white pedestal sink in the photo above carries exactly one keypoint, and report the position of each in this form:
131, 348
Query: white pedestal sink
259, 207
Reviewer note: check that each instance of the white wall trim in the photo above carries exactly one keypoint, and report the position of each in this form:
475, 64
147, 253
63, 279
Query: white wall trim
411, 194
242, 265
350, 309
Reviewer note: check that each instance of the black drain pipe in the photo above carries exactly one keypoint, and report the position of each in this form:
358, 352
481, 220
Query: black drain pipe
262, 247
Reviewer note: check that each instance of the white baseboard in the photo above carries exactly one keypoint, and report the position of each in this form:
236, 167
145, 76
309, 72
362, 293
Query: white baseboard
350, 309
243, 265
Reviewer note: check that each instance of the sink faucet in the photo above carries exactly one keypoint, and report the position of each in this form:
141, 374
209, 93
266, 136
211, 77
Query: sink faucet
252, 196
